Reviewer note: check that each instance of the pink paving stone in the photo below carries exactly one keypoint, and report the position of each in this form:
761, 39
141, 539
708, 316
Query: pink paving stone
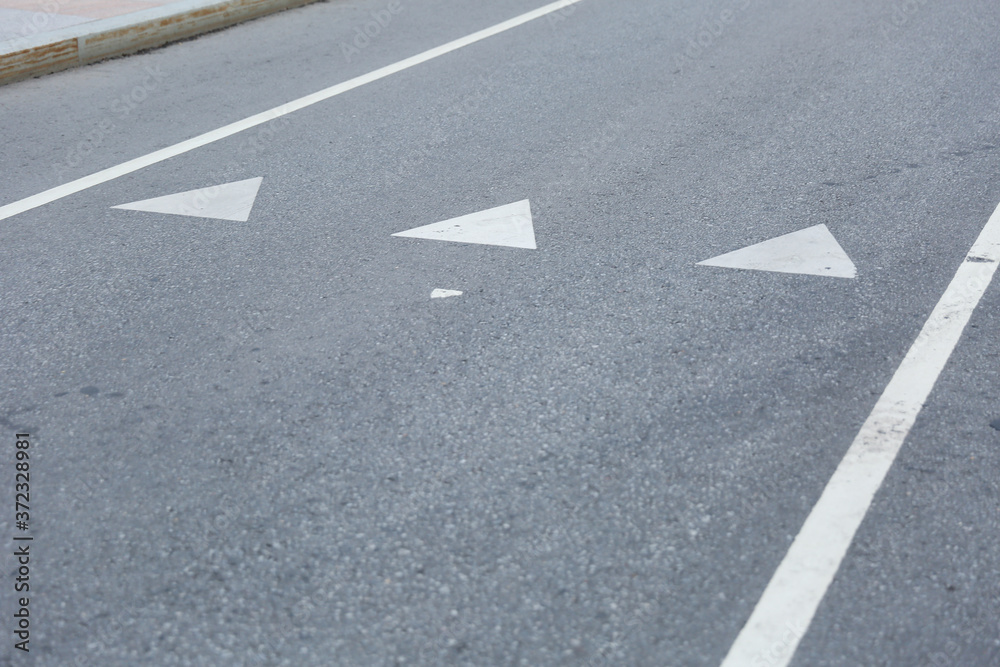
95, 9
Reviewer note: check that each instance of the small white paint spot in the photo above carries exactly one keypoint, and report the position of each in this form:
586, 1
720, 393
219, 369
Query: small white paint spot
445, 293
812, 251
229, 201
508, 225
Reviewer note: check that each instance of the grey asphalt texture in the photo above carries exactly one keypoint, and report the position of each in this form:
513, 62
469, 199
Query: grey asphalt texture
262, 443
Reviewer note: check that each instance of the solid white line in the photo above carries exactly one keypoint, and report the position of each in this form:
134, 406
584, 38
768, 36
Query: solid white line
136, 164
786, 608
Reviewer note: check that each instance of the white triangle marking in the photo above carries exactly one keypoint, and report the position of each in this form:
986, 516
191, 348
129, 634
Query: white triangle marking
445, 293
812, 251
229, 201
508, 225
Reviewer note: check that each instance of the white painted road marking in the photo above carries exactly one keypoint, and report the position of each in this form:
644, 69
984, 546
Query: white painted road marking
813, 251
445, 293
136, 164
808, 568
508, 225
229, 201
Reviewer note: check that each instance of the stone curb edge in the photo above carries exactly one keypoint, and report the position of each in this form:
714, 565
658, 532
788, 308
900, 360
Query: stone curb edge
106, 38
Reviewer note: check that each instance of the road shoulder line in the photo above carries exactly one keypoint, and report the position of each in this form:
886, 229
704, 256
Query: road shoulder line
789, 602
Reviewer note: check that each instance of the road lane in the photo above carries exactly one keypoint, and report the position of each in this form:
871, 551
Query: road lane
601, 451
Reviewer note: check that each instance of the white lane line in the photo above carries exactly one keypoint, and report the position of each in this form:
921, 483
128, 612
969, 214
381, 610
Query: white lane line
796, 589
138, 163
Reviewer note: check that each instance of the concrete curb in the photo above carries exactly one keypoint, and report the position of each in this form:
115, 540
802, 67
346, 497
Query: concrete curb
105, 38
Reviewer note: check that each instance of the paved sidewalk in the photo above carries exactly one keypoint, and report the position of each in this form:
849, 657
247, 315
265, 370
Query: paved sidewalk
22, 19
42, 36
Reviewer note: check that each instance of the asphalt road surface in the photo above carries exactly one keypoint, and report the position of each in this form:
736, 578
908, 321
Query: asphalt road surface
262, 442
